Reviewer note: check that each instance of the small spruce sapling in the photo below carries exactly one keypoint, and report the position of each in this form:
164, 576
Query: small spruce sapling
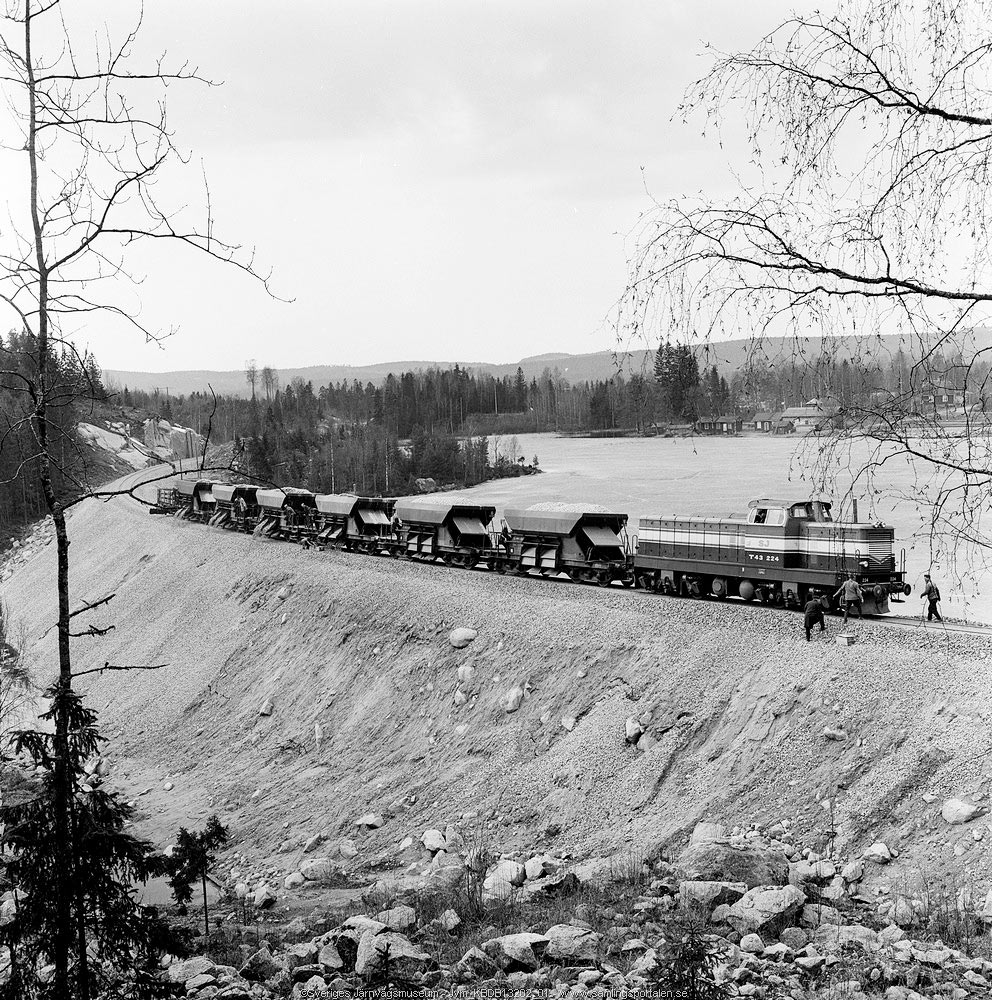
192, 860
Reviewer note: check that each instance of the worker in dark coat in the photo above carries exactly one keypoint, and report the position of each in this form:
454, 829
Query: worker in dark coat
932, 596
506, 537
813, 613
850, 594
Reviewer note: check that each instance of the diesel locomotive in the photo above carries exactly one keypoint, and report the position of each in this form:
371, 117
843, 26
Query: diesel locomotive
781, 552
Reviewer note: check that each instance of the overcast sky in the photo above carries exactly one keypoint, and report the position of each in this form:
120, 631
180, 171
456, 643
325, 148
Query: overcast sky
430, 180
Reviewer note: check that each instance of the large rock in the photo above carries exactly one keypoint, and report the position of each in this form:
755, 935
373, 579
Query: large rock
261, 967
516, 952
718, 861
474, 964
323, 871
504, 878
832, 937
957, 811
297, 955
461, 637
766, 909
571, 945
329, 958
399, 918
802, 873
182, 972
376, 950
433, 841
879, 853
706, 896
264, 897
818, 914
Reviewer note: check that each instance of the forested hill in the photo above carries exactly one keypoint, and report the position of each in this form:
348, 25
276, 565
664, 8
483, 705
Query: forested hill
728, 356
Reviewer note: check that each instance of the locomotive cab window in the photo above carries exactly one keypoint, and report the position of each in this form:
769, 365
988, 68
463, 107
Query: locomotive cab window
800, 512
821, 511
759, 516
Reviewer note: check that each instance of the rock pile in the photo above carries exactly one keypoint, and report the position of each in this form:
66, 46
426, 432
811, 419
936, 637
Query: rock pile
778, 919
21, 550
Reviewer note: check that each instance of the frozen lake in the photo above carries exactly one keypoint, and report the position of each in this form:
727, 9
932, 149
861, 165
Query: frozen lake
715, 476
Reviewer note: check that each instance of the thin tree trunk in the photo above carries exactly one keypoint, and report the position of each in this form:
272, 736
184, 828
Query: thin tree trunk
206, 917
62, 904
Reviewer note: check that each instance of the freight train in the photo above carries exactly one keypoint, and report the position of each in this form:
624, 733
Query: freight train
781, 552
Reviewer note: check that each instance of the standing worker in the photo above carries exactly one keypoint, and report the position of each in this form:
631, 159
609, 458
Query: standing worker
931, 594
851, 592
813, 613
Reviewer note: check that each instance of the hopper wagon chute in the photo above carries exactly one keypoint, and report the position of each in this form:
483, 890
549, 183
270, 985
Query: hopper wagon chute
445, 528
781, 552
195, 499
361, 523
586, 543
287, 513
237, 506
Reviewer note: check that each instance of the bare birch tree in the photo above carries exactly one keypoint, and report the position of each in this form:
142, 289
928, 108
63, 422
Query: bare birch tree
97, 148
862, 211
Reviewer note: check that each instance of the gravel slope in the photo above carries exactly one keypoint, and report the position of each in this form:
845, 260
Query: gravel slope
738, 702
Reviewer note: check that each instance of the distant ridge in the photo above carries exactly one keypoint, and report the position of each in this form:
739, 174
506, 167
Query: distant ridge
728, 356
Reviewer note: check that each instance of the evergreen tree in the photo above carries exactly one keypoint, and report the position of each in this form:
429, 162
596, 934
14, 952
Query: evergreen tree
114, 933
192, 861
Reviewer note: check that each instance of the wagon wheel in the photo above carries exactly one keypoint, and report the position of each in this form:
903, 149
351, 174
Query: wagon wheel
628, 581
604, 579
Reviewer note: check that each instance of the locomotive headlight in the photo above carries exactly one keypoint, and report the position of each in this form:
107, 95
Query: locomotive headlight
863, 563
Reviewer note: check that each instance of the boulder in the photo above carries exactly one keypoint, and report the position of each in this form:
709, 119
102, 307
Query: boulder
718, 861
832, 937
803, 873
539, 866
261, 966
516, 952
752, 944
794, 938
293, 880
329, 958
706, 896
571, 945
264, 897
297, 955
398, 918
347, 848
404, 959
766, 909
986, 911
632, 729
513, 698
879, 853
817, 914
199, 965
955, 811
433, 841
504, 878
853, 871
315, 986
319, 870
370, 821
474, 964
461, 637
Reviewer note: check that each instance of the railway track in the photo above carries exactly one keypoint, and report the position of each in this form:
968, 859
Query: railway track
904, 622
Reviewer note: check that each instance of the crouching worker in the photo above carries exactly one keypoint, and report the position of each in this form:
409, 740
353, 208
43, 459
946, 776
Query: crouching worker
813, 613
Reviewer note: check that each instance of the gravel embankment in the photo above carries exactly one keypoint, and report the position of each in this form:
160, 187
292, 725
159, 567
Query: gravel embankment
733, 701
